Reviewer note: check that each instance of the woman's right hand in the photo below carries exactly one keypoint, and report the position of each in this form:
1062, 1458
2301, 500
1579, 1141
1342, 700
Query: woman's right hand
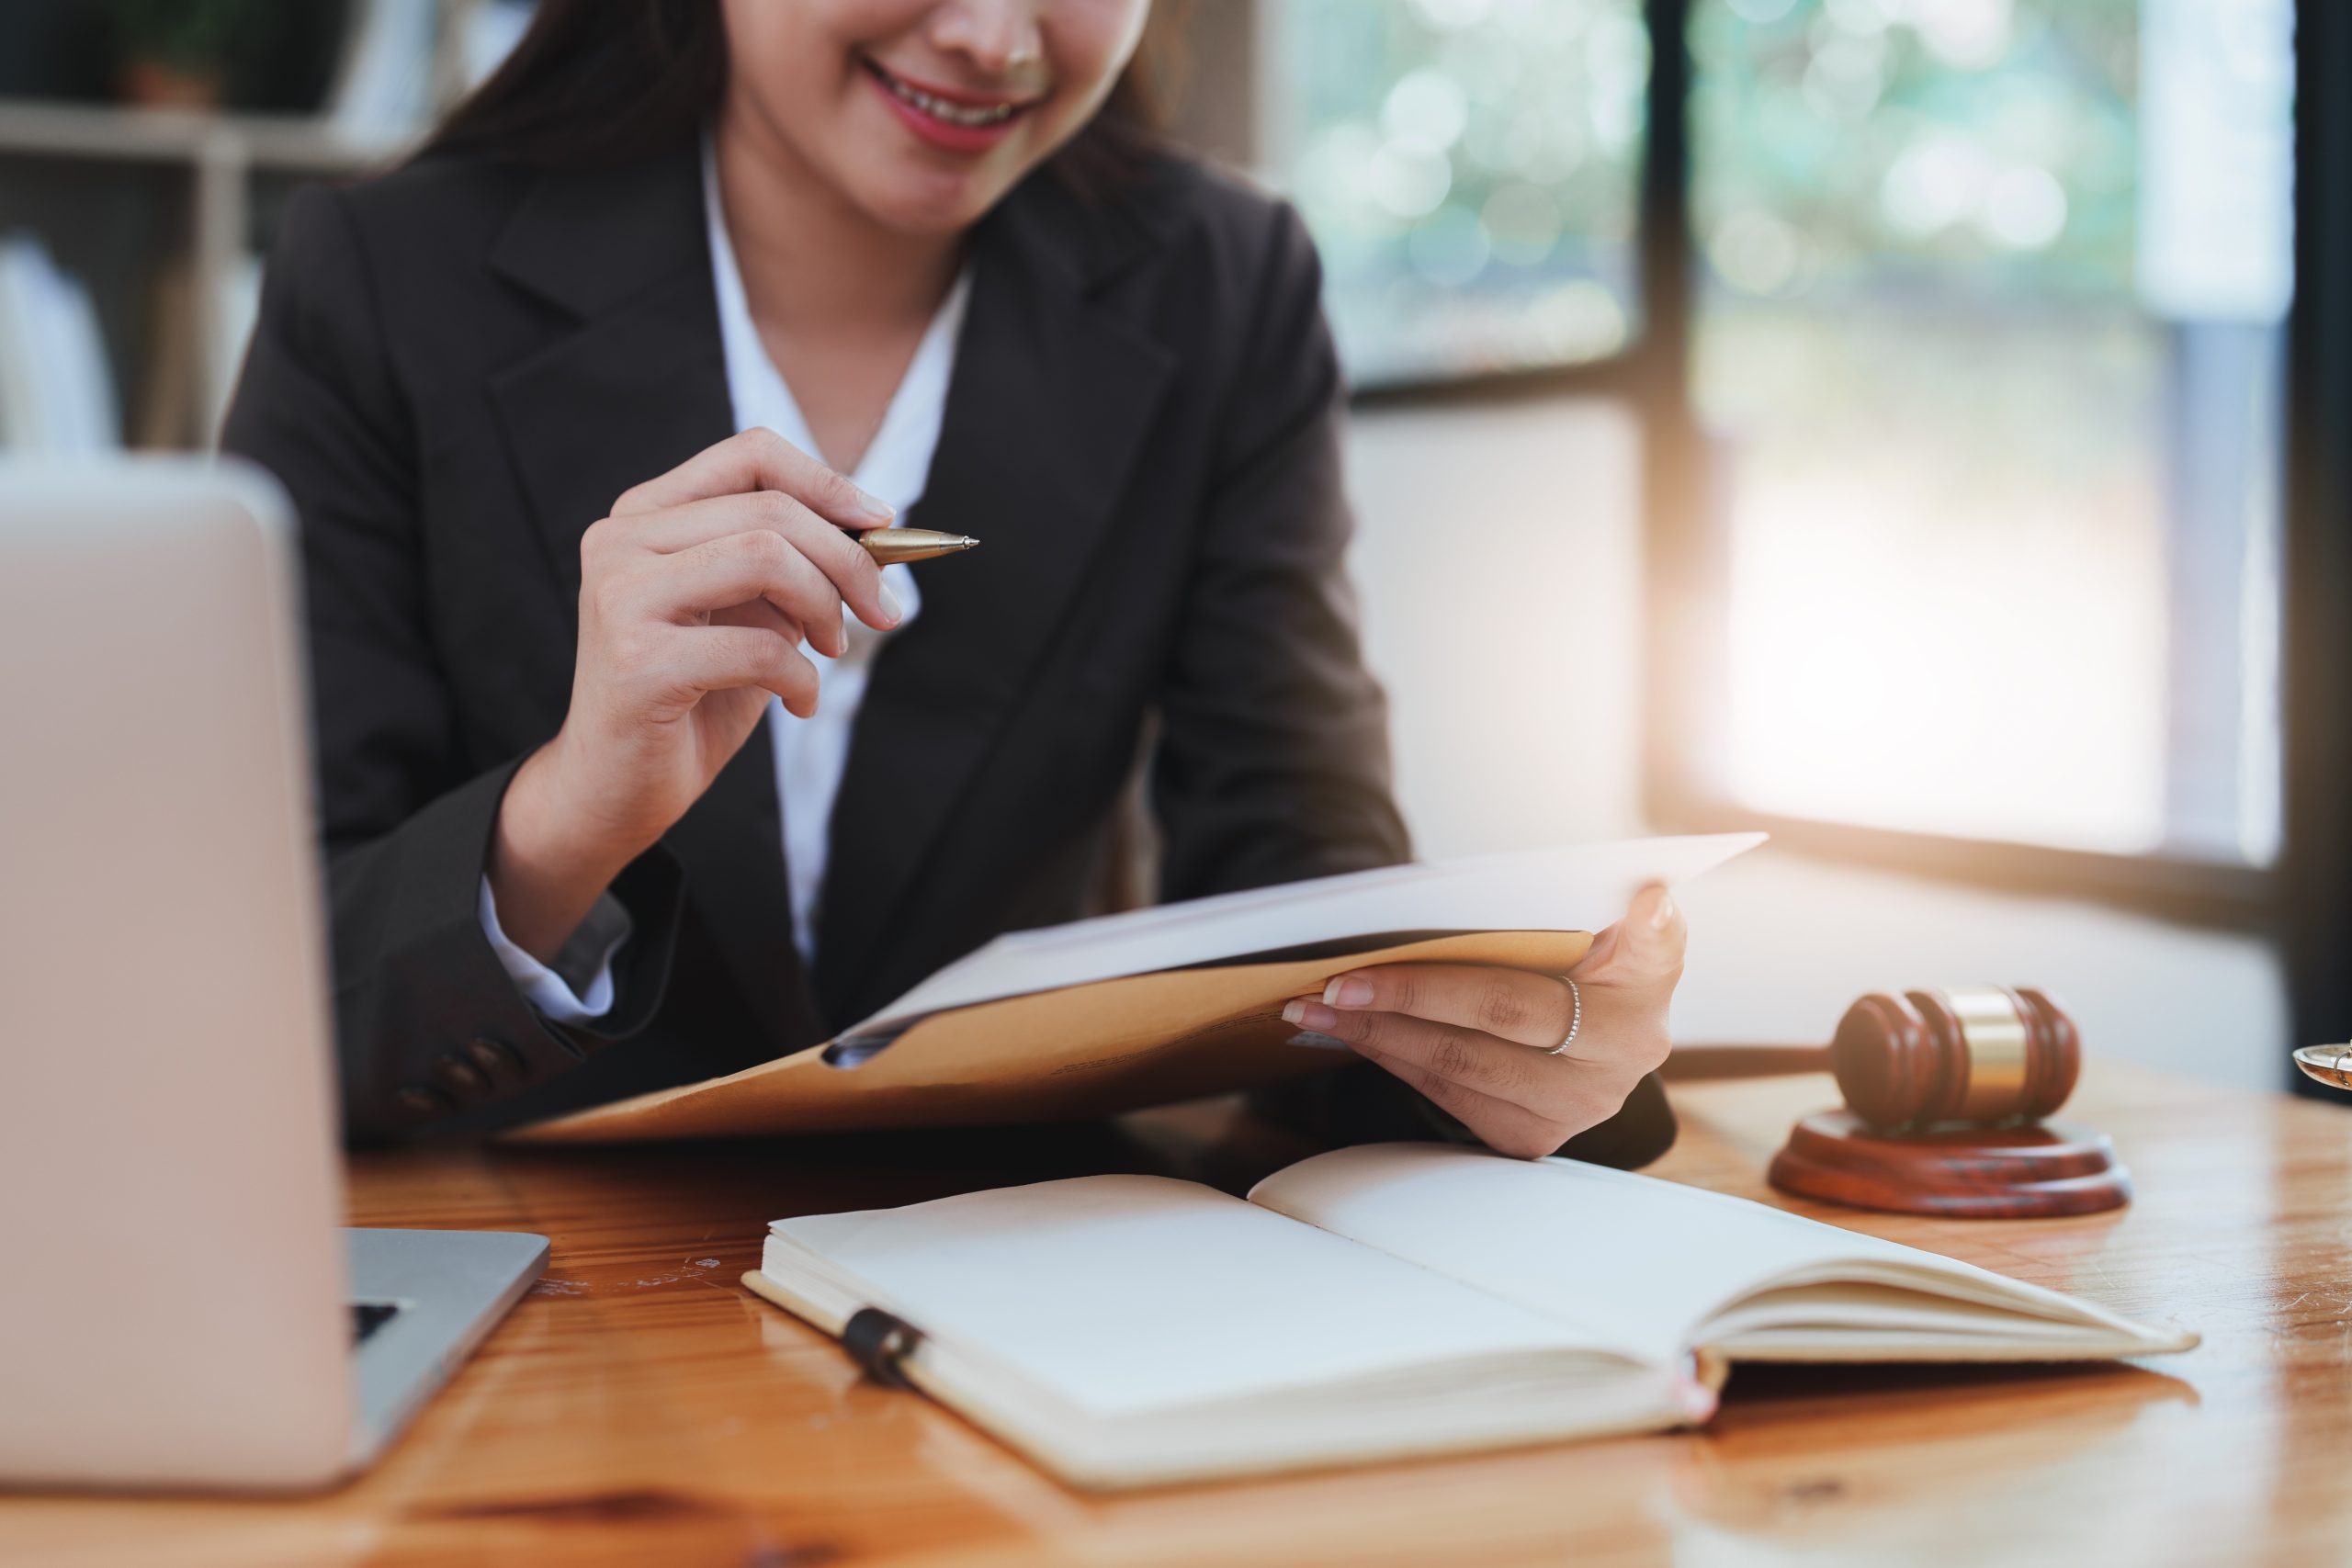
696, 595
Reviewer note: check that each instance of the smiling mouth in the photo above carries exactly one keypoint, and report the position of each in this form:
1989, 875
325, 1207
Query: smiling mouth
969, 116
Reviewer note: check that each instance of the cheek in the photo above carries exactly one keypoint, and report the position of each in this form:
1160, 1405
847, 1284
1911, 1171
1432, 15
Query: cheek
793, 59
1088, 42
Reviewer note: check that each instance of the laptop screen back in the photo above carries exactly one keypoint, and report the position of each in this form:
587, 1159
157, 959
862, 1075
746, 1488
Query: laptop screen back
169, 1188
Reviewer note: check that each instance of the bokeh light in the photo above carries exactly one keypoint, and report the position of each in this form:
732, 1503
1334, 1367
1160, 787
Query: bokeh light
1470, 170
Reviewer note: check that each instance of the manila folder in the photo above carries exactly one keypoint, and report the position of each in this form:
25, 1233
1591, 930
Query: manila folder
1037, 1027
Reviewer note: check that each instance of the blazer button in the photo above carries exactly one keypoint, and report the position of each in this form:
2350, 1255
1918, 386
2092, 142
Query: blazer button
457, 1075
497, 1059
419, 1100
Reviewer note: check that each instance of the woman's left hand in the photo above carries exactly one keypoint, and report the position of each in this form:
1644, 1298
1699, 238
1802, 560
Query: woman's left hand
1477, 1040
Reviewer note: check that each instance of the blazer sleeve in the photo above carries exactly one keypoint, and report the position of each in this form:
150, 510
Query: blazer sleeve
1272, 758
1272, 762
427, 1022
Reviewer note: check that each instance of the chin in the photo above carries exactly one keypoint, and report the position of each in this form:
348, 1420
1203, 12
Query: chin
931, 202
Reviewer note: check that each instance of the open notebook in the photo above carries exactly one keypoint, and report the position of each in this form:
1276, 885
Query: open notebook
1382, 1300
1152, 1006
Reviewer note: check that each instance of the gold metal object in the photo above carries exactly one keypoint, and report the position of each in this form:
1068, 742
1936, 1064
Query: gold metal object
2332, 1064
890, 546
1997, 1039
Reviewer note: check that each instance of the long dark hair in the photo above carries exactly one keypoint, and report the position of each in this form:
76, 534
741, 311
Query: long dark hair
593, 83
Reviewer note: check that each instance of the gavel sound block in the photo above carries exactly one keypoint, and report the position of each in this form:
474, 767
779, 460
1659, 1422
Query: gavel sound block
1945, 1095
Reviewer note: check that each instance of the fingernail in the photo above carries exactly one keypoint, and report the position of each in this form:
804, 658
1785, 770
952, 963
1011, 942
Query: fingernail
873, 506
891, 612
1662, 916
1348, 991
1307, 1037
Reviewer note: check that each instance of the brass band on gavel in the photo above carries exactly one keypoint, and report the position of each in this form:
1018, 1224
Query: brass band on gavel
1977, 1054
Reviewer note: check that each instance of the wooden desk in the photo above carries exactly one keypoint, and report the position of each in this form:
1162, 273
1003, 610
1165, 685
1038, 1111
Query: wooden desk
641, 1408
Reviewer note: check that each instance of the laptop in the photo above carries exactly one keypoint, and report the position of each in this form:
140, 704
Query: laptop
178, 1306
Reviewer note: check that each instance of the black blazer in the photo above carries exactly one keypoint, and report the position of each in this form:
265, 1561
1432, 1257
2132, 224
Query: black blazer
459, 367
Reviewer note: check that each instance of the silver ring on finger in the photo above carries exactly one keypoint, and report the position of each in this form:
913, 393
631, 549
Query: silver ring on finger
1575, 1018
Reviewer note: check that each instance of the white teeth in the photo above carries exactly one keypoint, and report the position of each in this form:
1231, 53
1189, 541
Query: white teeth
968, 114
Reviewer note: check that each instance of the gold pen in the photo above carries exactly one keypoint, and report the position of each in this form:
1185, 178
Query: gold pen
888, 547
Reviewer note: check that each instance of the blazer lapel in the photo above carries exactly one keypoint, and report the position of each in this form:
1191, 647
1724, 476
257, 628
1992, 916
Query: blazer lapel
634, 382
1050, 397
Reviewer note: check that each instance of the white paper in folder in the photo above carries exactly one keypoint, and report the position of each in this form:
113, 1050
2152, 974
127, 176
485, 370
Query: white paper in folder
1580, 887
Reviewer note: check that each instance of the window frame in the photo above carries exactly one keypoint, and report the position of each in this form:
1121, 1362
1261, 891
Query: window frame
1686, 569
2315, 910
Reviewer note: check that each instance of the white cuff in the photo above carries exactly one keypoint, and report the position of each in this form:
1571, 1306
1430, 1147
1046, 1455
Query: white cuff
593, 946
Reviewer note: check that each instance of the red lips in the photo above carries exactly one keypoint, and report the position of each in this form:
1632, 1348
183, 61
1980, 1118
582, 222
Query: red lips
948, 118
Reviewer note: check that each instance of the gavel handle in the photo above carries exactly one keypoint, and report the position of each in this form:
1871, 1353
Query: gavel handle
1700, 1064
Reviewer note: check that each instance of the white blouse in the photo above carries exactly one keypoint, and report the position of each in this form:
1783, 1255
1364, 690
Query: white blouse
809, 753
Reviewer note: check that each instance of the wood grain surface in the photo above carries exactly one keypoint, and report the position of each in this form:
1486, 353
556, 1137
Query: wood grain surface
639, 1407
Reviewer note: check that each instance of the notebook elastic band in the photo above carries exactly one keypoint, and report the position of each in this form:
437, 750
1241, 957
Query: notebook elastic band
878, 1341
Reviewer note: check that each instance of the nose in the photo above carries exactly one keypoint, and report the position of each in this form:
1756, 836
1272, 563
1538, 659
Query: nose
998, 36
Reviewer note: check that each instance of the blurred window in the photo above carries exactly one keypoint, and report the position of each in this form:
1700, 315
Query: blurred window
1470, 169
1988, 346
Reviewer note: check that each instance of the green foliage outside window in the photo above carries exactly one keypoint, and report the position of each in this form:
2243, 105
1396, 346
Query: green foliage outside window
1984, 146
1469, 168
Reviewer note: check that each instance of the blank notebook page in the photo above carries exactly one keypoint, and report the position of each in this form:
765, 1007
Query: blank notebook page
1638, 1258
1126, 1294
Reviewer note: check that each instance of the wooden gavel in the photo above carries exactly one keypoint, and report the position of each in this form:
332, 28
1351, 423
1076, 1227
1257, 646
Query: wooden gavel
1980, 1054
1946, 1092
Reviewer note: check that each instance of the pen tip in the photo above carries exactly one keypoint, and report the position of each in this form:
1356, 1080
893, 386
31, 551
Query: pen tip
966, 543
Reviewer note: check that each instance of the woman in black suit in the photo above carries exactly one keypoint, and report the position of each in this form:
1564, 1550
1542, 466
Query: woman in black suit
557, 588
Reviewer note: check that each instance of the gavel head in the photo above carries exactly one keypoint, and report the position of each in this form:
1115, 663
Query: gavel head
1979, 1054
